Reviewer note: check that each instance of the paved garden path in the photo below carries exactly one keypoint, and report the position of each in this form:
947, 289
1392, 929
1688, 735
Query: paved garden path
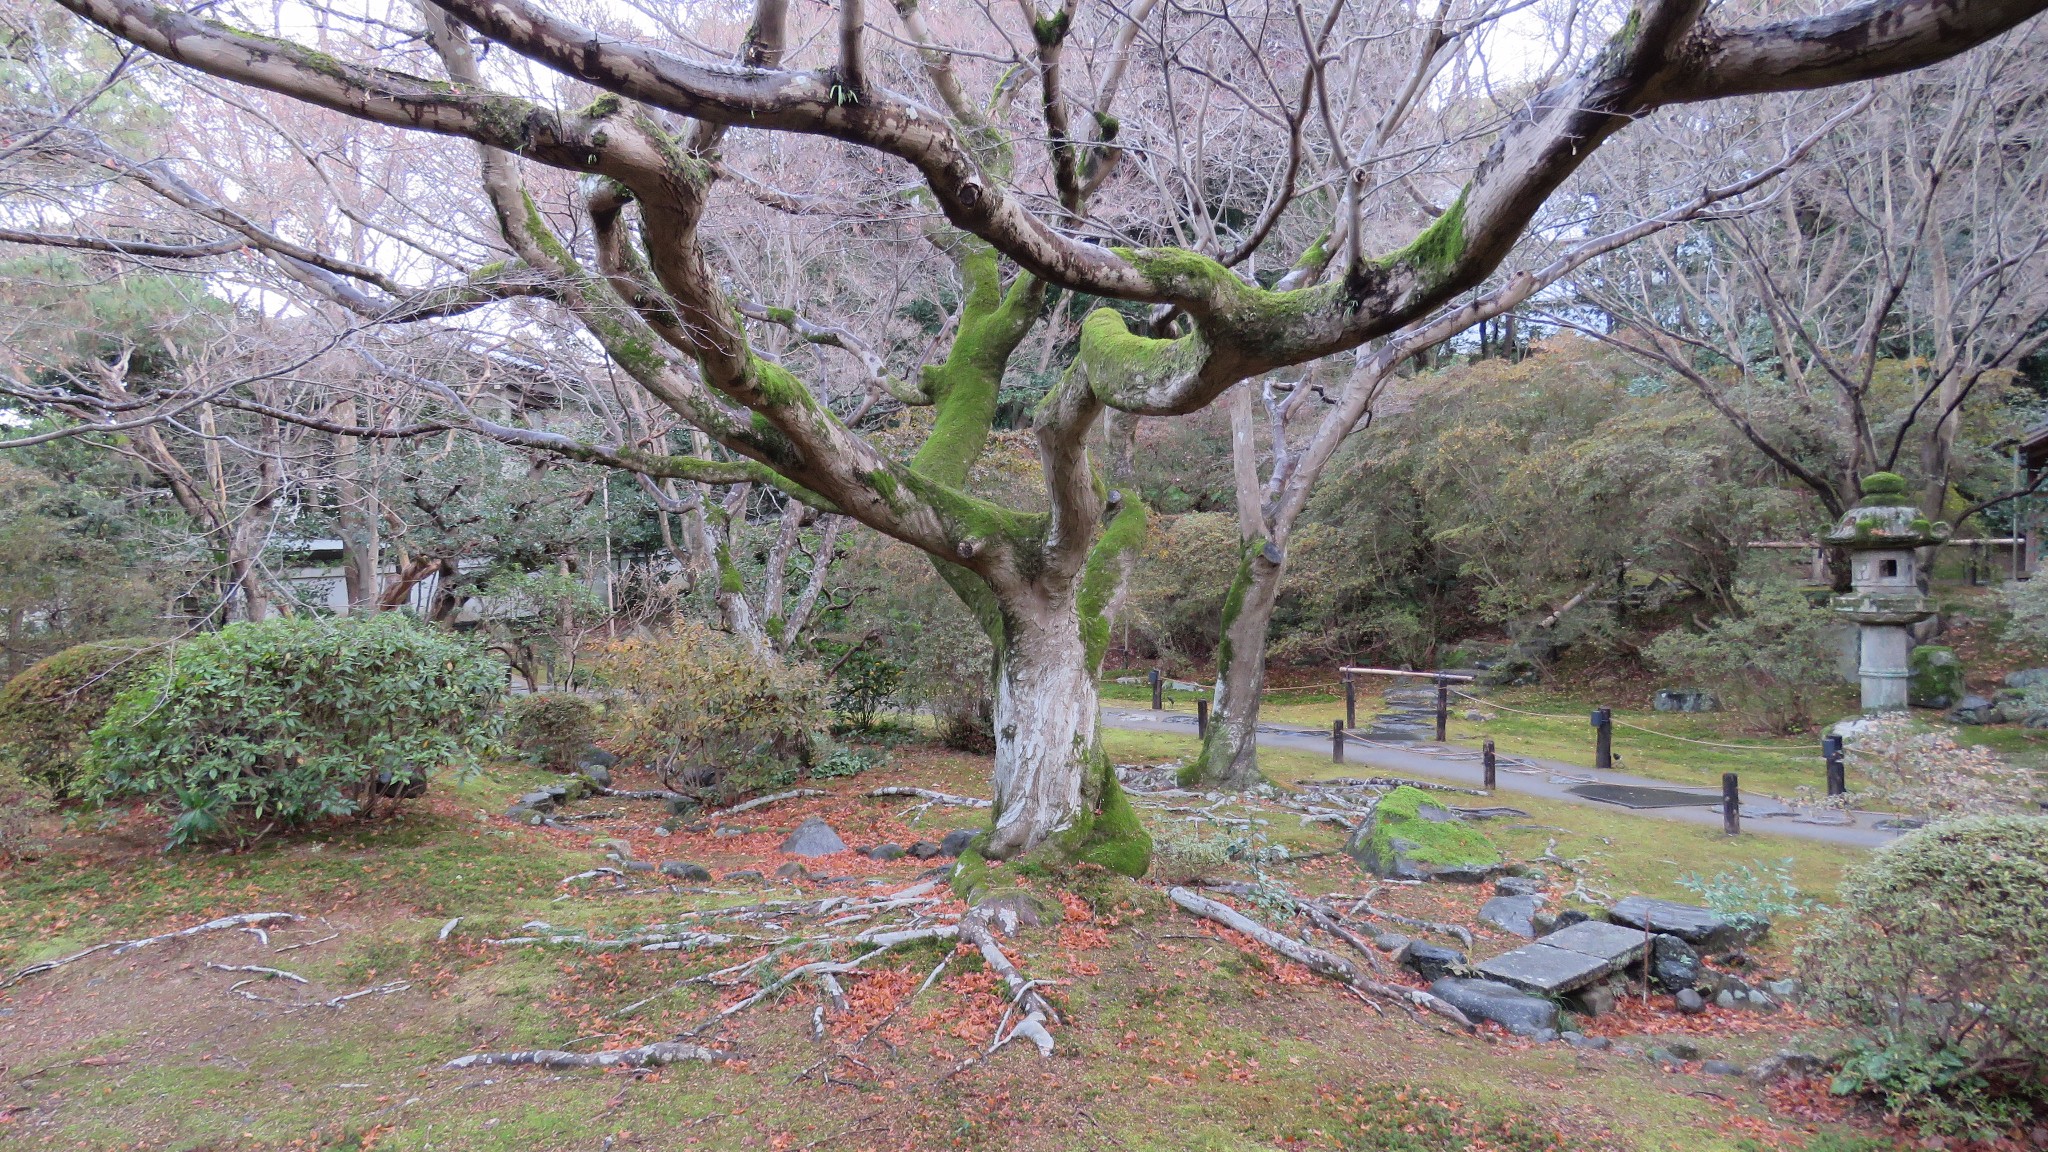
1551, 779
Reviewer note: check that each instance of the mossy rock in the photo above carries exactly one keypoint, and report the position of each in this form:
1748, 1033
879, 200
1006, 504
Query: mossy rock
1937, 677
1411, 837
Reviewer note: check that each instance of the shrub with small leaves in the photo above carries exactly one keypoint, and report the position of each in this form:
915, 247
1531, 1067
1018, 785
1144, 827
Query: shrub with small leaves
716, 720
283, 722
1751, 895
845, 761
1924, 771
48, 712
1934, 960
551, 728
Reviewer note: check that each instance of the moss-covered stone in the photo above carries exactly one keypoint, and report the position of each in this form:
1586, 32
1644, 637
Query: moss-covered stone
1411, 837
1937, 677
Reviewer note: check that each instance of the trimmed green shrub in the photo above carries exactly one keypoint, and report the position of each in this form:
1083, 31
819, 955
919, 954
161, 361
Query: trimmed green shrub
1775, 655
48, 712
1934, 960
288, 721
551, 728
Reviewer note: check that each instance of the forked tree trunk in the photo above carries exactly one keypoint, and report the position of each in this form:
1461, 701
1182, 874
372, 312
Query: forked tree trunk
1230, 752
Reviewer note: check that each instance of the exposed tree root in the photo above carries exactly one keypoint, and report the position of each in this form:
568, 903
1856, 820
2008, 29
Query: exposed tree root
974, 928
763, 802
120, 947
934, 797
275, 973
645, 1056
1457, 932
1327, 964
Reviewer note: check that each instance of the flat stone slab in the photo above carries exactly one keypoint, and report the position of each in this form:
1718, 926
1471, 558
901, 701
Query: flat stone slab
1546, 970
1609, 942
1696, 926
1567, 959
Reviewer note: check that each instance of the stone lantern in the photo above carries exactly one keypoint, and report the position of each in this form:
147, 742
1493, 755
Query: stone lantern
1882, 535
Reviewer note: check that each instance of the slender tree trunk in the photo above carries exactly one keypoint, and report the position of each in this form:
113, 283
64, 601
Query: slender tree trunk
1230, 753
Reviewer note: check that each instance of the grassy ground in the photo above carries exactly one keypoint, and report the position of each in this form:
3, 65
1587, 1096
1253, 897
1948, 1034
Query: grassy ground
1175, 1036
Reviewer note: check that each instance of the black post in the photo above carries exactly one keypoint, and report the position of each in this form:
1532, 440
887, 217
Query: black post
1838, 777
1158, 694
1202, 719
1443, 708
1731, 805
1336, 741
1486, 759
1350, 701
1603, 739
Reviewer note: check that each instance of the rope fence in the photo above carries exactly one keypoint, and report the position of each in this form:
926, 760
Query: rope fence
1764, 748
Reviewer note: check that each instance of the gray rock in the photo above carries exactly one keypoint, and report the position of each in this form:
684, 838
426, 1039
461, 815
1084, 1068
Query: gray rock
1544, 923
1391, 941
623, 849
1596, 999
1666, 1059
1565, 918
1975, 710
1696, 926
922, 850
680, 805
1511, 1008
792, 871
1518, 886
1433, 961
1786, 1063
544, 800
639, 865
1787, 989
595, 757
884, 852
682, 870
957, 841
1674, 964
1683, 1049
728, 831
1727, 1000
598, 775
745, 874
1721, 1068
1512, 914
1587, 1043
2027, 678
1685, 700
813, 837
1690, 1002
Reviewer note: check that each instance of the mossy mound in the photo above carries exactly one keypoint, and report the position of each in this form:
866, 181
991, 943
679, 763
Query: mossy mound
48, 712
1411, 837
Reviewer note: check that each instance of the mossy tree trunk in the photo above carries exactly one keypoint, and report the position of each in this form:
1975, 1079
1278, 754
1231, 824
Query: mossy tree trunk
1230, 752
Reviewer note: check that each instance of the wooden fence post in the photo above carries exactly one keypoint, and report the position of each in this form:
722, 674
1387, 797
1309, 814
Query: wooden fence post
1350, 701
1603, 739
1158, 692
1202, 719
1487, 761
1831, 749
1443, 708
1731, 804
1336, 741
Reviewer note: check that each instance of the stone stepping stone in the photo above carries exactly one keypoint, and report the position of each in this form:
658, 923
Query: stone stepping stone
1516, 914
1696, 926
1568, 959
